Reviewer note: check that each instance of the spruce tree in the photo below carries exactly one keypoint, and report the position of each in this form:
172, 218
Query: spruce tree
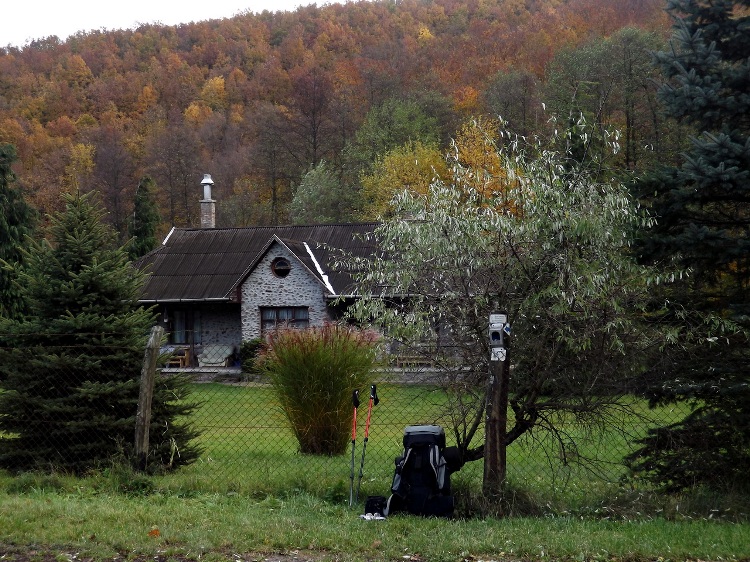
702, 204
73, 368
702, 208
16, 223
144, 220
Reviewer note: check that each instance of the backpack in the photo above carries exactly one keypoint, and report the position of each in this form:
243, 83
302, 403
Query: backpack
421, 482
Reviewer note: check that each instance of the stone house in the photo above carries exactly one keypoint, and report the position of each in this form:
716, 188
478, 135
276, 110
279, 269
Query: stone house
214, 288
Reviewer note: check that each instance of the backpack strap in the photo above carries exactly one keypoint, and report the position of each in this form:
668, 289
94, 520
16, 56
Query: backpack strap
397, 480
437, 462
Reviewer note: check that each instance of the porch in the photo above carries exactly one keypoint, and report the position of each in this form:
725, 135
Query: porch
209, 374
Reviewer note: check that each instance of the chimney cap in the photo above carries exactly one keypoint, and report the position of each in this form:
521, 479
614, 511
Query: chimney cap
207, 180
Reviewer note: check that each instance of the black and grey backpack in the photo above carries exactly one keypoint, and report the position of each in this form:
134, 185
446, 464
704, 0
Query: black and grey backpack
421, 483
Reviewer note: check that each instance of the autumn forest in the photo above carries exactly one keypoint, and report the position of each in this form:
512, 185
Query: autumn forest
277, 105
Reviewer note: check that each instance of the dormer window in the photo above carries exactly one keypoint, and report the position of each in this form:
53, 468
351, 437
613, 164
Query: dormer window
281, 267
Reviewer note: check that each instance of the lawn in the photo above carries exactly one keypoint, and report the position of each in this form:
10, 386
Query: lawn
249, 446
250, 449
91, 522
252, 496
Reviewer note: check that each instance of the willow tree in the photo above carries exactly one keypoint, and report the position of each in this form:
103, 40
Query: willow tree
537, 235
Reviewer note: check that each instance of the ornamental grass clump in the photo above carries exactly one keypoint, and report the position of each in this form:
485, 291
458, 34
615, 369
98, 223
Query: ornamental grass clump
314, 372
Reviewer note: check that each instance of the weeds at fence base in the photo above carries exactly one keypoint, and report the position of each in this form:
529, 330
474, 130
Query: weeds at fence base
122, 479
515, 502
611, 504
625, 505
32, 482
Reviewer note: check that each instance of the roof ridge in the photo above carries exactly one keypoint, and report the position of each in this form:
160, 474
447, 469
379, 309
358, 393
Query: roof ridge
278, 226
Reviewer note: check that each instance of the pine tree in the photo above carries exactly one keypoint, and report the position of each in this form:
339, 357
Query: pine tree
703, 205
703, 211
72, 370
144, 220
16, 222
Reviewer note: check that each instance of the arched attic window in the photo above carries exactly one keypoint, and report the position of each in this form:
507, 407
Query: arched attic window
281, 267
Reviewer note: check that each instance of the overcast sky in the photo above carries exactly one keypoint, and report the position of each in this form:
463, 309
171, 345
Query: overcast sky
23, 20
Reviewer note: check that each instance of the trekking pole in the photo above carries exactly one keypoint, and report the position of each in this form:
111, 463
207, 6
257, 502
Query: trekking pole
355, 402
373, 402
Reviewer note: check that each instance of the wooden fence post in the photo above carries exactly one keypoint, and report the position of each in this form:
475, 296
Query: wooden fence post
143, 417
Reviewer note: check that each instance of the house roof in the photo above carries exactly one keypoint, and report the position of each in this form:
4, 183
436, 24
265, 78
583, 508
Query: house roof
195, 264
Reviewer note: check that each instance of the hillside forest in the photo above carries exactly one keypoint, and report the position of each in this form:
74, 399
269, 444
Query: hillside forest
310, 115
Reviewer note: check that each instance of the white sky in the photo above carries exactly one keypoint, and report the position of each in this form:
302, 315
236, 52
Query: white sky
24, 20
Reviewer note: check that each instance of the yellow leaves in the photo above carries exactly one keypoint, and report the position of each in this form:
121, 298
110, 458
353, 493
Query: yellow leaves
424, 35
32, 107
214, 93
213, 97
412, 166
81, 164
485, 170
197, 113
236, 113
147, 99
476, 143
74, 71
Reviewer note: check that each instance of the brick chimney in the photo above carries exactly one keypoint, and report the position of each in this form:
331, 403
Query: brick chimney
208, 205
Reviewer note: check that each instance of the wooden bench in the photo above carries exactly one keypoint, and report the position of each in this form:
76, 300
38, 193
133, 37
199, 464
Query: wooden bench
179, 359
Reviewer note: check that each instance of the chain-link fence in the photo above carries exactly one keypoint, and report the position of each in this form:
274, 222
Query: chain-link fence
246, 444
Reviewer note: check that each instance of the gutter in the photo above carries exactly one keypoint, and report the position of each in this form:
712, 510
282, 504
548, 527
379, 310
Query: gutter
213, 299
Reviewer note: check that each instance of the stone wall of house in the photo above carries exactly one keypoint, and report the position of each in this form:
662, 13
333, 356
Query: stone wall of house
220, 324
264, 289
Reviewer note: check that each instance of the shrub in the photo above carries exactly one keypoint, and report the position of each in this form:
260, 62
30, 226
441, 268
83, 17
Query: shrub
314, 372
249, 350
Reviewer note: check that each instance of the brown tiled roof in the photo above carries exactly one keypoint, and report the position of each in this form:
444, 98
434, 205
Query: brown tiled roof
209, 264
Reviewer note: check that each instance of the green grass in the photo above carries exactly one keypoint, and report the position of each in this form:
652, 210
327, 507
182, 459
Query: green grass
103, 525
250, 449
252, 494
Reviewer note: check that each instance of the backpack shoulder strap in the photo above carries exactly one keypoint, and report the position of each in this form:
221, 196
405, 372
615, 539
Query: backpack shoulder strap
437, 462
396, 486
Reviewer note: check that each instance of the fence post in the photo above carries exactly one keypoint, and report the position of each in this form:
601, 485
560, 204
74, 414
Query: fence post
496, 421
143, 417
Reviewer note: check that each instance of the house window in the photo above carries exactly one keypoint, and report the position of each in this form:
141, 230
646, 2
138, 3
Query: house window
281, 267
292, 316
186, 327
